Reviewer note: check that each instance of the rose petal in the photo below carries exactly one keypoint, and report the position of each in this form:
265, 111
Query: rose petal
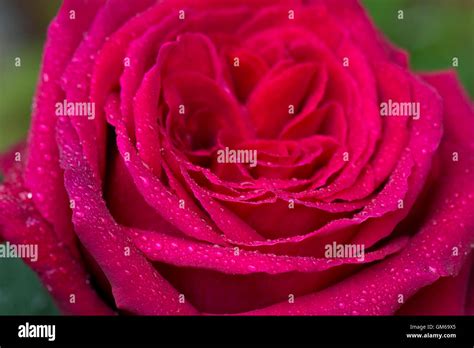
446, 296
137, 287
43, 176
59, 270
186, 253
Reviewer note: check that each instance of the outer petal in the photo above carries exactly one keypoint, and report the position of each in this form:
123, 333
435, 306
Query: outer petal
353, 16
42, 173
136, 285
447, 296
62, 274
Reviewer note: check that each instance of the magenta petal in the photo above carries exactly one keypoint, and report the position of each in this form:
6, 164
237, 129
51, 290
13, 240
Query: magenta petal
120, 190
43, 175
141, 54
146, 120
60, 271
79, 77
185, 253
352, 15
233, 227
174, 56
268, 104
137, 287
447, 296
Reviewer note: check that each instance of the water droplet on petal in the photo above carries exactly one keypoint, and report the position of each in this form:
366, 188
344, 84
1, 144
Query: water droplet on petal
144, 180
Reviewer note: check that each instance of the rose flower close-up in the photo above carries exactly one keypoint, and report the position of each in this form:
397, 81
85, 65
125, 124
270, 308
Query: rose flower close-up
241, 157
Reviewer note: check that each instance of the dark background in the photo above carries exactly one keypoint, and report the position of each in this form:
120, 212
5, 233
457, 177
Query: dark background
432, 31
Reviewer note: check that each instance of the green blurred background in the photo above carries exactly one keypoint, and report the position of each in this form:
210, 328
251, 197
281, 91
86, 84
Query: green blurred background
432, 31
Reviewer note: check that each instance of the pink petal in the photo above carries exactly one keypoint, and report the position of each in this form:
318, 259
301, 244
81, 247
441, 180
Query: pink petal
137, 287
60, 271
446, 296
43, 176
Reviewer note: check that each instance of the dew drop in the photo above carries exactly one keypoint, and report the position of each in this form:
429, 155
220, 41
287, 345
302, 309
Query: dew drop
144, 180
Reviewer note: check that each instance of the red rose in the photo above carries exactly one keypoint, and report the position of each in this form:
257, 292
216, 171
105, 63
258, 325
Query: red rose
249, 157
